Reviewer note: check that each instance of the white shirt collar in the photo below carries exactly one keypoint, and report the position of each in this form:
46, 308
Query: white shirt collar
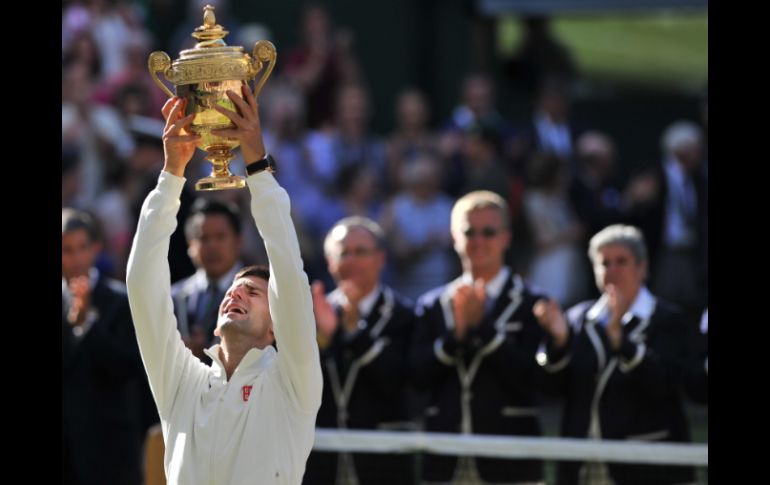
494, 286
254, 359
643, 306
366, 304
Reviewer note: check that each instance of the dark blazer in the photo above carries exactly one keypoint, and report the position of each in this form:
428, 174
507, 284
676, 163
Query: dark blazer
635, 391
103, 383
187, 298
696, 376
483, 385
365, 388
651, 217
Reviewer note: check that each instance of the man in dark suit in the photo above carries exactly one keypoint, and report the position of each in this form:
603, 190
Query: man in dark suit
617, 361
550, 129
696, 372
474, 349
674, 219
102, 375
213, 233
364, 329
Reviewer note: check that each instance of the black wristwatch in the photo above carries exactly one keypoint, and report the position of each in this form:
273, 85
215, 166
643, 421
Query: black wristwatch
267, 163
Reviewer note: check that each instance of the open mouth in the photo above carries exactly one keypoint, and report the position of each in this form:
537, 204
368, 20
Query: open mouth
235, 309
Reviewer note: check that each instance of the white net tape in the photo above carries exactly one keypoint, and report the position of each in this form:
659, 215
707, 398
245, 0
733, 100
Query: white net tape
511, 447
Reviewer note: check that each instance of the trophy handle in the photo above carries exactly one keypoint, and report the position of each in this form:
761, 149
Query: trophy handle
264, 51
159, 61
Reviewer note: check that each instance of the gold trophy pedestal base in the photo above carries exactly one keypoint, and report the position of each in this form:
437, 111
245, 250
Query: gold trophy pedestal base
221, 183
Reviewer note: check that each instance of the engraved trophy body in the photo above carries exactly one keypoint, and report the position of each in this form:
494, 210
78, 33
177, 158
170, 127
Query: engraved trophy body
202, 75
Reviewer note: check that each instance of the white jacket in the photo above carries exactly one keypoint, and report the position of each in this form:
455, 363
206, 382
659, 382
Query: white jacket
219, 432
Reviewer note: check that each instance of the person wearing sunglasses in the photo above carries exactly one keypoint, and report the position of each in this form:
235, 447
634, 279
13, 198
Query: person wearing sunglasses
474, 347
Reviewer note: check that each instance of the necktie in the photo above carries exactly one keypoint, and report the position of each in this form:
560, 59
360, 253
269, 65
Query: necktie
207, 314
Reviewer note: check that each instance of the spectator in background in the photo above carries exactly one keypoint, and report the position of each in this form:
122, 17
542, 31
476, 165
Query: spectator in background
102, 376
673, 214
550, 129
134, 82
617, 361
364, 331
412, 136
286, 138
477, 105
321, 64
97, 131
476, 108
213, 233
594, 191
482, 166
348, 145
558, 264
114, 26
416, 223
474, 347
82, 50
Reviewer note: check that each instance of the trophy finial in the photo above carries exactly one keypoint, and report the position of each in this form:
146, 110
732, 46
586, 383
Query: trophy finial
209, 20
210, 34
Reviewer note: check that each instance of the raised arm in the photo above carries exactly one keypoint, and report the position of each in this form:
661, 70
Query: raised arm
148, 276
291, 305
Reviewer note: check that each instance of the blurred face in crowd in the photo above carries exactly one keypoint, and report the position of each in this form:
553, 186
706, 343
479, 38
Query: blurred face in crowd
77, 85
555, 104
352, 109
689, 155
353, 255
597, 152
481, 240
316, 25
478, 94
421, 178
412, 111
215, 246
616, 264
78, 253
245, 311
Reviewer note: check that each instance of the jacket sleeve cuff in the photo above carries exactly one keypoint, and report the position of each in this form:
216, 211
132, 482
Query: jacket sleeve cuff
551, 358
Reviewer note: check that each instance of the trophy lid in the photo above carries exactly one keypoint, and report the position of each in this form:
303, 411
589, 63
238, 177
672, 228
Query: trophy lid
210, 33
211, 59
210, 36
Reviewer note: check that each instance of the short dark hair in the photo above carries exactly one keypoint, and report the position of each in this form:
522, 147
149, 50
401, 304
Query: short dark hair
257, 271
208, 207
74, 220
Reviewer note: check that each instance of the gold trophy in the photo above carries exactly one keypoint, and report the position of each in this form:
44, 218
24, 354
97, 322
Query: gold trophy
202, 76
